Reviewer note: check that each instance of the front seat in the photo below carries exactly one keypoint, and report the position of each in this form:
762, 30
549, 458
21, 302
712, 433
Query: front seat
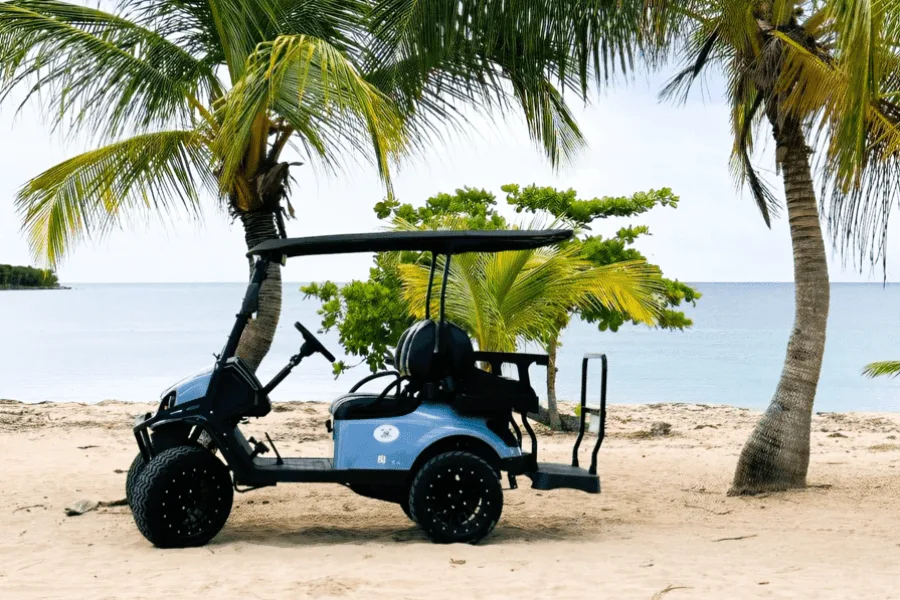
413, 361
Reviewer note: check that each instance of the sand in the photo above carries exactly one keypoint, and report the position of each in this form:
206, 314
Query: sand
662, 528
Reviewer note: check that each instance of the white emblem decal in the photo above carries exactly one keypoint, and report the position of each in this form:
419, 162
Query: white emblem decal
382, 459
386, 433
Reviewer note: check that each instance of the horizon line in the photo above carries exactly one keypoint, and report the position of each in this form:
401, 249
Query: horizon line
698, 282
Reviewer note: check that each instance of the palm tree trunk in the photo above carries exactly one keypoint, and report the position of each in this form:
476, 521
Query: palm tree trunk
552, 410
776, 456
257, 338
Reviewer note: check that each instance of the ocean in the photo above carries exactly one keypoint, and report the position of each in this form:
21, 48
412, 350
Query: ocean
131, 341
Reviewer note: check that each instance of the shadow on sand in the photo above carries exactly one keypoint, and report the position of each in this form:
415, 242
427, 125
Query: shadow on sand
284, 535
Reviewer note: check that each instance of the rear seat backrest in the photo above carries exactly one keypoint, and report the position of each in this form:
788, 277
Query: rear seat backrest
417, 359
415, 351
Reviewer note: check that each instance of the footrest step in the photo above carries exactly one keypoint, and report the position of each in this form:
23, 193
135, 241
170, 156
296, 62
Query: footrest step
551, 476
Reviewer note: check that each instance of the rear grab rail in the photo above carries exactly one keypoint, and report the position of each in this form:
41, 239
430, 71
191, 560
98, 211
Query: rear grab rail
585, 410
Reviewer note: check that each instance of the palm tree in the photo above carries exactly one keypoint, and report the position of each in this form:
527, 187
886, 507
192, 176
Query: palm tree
181, 94
887, 368
822, 75
505, 299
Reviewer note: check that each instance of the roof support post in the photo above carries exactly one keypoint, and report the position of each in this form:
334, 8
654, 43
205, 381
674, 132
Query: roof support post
428, 293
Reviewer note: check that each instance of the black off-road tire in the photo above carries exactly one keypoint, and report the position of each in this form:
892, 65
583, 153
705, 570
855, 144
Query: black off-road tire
138, 464
136, 468
182, 497
456, 497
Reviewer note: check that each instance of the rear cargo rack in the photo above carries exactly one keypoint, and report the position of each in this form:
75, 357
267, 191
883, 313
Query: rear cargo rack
585, 410
551, 476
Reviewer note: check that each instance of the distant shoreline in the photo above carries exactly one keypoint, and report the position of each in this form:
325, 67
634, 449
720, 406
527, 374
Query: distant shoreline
567, 408
18, 288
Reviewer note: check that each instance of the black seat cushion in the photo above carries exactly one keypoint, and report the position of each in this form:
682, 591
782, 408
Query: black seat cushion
372, 406
488, 393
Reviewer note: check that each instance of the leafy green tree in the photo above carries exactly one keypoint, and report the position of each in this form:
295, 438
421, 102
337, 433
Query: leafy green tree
368, 315
183, 99
602, 252
367, 331
820, 74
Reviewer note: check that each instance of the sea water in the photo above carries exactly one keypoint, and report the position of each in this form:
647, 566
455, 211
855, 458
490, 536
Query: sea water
131, 341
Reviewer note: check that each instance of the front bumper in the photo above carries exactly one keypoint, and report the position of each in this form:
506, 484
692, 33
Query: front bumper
142, 434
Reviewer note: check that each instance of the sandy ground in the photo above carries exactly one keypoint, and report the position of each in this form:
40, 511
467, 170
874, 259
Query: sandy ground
663, 528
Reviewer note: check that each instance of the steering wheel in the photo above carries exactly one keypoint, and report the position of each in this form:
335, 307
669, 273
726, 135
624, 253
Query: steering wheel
314, 344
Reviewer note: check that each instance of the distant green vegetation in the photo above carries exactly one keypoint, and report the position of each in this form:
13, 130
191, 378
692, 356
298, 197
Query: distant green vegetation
12, 277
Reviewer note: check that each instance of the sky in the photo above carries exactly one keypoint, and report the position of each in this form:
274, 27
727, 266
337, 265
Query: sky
634, 142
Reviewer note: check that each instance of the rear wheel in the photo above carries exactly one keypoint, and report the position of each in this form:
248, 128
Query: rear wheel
182, 497
456, 497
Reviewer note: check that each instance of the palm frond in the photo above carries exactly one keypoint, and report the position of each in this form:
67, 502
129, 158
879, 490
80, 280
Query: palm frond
549, 120
629, 287
127, 77
541, 50
888, 368
187, 23
746, 114
431, 105
148, 175
310, 83
239, 31
337, 21
858, 27
225, 32
680, 85
858, 174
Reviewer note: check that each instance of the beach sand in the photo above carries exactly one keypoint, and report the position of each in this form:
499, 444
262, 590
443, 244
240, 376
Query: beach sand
662, 528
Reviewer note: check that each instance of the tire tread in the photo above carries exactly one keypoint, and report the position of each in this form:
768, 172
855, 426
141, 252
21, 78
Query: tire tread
142, 492
457, 455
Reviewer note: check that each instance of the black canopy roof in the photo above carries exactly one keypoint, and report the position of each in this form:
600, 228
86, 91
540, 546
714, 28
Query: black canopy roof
440, 242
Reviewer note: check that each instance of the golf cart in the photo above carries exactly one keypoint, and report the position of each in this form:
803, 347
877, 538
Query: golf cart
434, 440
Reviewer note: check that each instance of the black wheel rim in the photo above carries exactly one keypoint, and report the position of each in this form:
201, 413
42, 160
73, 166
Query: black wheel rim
192, 502
457, 500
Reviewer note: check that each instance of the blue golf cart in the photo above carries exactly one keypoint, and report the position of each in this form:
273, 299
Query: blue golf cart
435, 439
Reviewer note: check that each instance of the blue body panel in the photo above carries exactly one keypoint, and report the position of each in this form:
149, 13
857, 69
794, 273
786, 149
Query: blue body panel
394, 443
190, 388
387, 443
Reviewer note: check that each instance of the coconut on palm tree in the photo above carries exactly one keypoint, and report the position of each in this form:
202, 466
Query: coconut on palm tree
187, 99
824, 79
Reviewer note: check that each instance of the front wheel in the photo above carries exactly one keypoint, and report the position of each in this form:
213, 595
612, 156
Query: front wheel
456, 497
134, 471
138, 464
182, 497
